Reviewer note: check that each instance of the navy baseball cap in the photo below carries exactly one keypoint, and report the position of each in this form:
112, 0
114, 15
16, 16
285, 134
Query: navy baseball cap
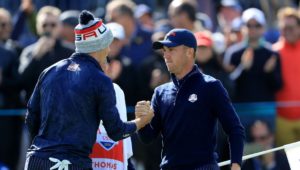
177, 37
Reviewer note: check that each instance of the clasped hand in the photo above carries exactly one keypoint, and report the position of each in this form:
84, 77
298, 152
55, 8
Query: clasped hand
144, 112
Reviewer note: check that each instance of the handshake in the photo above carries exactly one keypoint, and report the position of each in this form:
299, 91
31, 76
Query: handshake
143, 114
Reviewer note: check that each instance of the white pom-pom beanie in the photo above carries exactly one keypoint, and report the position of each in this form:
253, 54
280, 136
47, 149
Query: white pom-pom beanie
93, 36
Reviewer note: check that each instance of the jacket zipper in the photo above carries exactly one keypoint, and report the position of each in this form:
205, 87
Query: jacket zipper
180, 87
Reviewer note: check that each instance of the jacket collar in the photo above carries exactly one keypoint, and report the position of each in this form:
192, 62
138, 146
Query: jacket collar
178, 83
84, 56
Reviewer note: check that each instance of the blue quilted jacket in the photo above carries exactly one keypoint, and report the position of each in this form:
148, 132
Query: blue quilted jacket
65, 109
186, 115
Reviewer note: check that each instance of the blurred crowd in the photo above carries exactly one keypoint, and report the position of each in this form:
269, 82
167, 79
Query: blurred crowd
253, 47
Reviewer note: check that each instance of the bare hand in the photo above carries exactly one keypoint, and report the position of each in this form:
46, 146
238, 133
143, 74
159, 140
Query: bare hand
270, 64
142, 108
144, 114
146, 118
44, 45
235, 166
247, 58
27, 6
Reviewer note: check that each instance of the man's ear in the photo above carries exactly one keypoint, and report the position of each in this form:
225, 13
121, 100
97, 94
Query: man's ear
190, 52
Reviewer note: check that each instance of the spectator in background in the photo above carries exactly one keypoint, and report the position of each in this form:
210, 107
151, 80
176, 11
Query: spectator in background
228, 11
137, 39
6, 30
162, 27
69, 20
205, 20
144, 15
45, 52
219, 43
182, 14
288, 46
121, 69
116, 69
10, 125
23, 30
263, 137
9, 62
209, 62
254, 66
6, 26
234, 34
271, 8
153, 70
208, 8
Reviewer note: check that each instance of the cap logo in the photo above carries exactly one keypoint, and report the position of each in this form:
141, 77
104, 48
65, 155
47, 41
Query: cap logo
172, 34
193, 98
86, 35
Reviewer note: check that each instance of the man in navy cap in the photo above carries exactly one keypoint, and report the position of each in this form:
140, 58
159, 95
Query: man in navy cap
187, 109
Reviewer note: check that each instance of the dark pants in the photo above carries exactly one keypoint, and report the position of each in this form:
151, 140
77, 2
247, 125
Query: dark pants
209, 167
35, 163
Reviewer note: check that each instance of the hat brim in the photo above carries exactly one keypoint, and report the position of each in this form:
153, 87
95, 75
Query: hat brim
205, 43
160, 44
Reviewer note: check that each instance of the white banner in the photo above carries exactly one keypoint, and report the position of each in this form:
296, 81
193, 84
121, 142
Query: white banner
293, 154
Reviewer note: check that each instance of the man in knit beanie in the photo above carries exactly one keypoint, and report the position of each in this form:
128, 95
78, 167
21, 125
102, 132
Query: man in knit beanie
70, 99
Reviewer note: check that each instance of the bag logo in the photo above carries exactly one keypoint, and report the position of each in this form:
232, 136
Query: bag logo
105, 142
